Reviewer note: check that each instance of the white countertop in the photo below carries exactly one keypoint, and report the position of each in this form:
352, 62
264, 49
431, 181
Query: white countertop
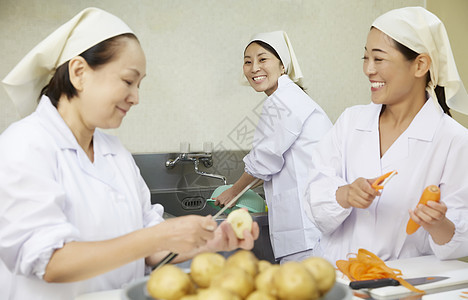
450, 288
105, 295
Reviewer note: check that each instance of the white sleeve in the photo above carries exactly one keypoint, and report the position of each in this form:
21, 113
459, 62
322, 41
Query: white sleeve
152, 214
267, 156
32, 221
454, 193
325, 177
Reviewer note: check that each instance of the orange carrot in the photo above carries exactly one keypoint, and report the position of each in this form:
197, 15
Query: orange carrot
430, 193
366, 266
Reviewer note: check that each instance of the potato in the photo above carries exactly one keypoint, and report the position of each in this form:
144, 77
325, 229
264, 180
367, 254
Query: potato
294, 282
323, 272
204, 266
245, 260
240, 220
216, 293
264, 280
263, 265
235, 280
169, 283
259, 295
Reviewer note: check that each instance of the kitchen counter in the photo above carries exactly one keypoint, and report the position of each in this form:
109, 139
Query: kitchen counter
450, 288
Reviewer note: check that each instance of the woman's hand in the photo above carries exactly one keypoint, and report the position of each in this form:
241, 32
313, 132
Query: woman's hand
432, 218
225, 197
183, 234
226, 240
359, 194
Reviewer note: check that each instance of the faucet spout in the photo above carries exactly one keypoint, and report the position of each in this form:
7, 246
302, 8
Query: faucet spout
220, 177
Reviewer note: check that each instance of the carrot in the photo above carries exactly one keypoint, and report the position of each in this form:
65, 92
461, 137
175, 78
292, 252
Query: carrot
366, 266
430, 193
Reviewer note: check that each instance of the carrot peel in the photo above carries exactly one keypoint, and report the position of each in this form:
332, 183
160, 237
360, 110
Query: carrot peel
365, 265
430, 193
379, 183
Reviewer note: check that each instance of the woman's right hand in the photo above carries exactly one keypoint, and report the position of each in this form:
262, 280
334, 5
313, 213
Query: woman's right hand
359, 194
186, 233
225, 198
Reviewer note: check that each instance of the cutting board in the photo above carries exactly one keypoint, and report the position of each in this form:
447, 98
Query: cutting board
456, 270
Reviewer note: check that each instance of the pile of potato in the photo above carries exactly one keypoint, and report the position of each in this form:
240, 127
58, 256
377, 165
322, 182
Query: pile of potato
242, 276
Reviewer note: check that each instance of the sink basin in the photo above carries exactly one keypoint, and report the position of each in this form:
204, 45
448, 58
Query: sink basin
187, 201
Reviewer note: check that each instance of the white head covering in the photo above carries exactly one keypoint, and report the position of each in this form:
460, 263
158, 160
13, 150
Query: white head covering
422, 32
88, 28
279, 41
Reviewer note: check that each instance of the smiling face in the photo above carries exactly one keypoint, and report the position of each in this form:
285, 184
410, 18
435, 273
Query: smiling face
391, 75
107, 92
262, 69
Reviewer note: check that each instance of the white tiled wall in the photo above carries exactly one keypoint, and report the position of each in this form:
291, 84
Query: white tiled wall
194, 52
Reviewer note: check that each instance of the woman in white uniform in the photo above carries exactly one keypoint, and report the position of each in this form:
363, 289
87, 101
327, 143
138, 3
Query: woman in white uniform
290, 125
406, 128
74, 208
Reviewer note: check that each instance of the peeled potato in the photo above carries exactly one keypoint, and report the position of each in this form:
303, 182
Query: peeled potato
205, 266
245, 260
323, 272
235, 280
294, 282
264, 280
240, 220
169, 283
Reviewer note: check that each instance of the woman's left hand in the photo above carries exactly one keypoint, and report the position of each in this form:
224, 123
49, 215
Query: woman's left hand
429, 215
433, 219
226, 240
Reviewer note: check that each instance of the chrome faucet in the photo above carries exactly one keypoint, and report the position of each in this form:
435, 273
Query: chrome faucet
206, 158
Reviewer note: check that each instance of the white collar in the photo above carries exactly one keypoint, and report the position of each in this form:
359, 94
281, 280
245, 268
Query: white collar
422, 127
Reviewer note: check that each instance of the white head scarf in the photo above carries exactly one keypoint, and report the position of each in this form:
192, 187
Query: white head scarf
422, 32
88, 28
279, 41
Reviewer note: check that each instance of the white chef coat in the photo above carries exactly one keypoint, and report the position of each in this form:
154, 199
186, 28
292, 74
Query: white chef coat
51, 194
432, 150
290, 125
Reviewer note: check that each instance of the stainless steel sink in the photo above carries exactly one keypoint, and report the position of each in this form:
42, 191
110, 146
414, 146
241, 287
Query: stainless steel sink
186, 201
182, 192
192, 201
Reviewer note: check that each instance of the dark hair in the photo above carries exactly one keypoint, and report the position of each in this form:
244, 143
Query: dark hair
273, 51
439, 90
268, 48
96, 56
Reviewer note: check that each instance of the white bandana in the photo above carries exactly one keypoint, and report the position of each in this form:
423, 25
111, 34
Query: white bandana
422, 32
88, 28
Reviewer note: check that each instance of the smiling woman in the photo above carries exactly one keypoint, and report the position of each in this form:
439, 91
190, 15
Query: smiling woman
74, 207
97, 88
406, 128
262, 67
291, 124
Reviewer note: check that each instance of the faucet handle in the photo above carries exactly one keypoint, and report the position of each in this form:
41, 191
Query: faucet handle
207, 147
184, 147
